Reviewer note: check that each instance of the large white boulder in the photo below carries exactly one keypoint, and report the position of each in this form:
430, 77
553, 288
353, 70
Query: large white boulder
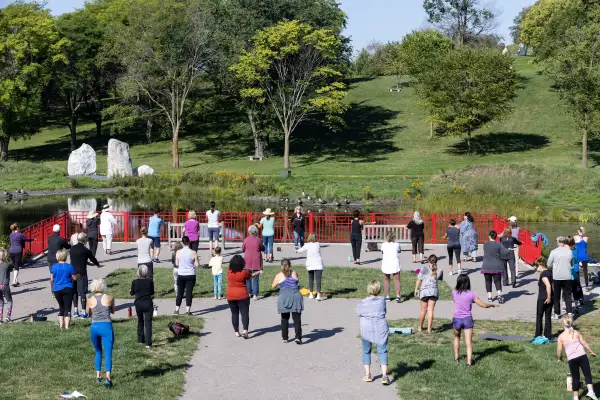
144, 170
82, 161
119, 160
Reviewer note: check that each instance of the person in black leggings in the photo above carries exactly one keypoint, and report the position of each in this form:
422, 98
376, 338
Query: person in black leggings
417, 236
492, 268
62, 276
356, 236
143, 290
187, 263
452, 235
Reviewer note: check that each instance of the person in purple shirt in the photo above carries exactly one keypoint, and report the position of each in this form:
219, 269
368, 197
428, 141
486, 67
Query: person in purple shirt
253, 248
463, 318
191, 229
17, 244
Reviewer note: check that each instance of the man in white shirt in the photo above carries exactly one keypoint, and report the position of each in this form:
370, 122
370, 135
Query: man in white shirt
212, 216
107, 222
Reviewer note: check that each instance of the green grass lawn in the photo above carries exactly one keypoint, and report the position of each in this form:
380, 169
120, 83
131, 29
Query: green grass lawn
39, 361
423, 364
337, 282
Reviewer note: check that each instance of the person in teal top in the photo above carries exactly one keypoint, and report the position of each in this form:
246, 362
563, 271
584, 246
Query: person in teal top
154, 227
267, 224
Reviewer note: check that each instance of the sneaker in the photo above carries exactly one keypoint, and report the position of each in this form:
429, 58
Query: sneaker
8, 321
450, 273
53, 295
490, 300
385, 380
298, 341
459, 271
500, 299
157, 261
98, 380
387, 299
367, 378
147, 347
255, 297
84, 316
319, 297
215, 298
176, 312
591, 395
311, 296
189, 313
457, 362
284, 341
398, 299
17, 284
76, 314
107, 383
555, 317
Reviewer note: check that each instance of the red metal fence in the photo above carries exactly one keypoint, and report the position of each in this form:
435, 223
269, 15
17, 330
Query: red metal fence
329, 227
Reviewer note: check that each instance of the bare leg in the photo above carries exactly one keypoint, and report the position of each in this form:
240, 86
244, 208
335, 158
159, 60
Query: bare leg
16, 277
67, 322
469, 341
397, 284
368, 370
430, 307
422, 315
61, 322
456, 343
386, 285
384, 370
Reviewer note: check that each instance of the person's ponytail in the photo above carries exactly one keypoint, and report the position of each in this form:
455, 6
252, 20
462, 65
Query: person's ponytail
286, 267
432, 259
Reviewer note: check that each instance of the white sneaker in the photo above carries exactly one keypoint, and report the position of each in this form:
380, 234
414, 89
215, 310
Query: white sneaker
311, 296
450, 273
319, 297
591, 395
254, 297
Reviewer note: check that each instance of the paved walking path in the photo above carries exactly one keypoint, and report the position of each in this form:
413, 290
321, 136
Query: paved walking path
326, 366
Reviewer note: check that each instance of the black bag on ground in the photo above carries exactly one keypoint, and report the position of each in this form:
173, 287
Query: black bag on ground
372, 246
178, 328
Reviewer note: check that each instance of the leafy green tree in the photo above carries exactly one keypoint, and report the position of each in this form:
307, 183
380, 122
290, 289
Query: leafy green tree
462, 20
515, 29
292, 67
391, 57
29, 46
468, 88
165, 47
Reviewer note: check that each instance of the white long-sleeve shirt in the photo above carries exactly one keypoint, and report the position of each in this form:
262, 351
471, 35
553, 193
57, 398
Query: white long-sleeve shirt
314, 262
107, 222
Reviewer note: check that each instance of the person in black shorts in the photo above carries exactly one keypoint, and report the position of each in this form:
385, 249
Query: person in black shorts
417, 236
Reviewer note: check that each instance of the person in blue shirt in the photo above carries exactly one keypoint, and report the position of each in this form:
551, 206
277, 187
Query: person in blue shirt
154, 228
267, 224
62, 276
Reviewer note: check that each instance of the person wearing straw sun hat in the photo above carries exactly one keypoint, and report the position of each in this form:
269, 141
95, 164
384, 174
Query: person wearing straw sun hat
267, 224
92, 224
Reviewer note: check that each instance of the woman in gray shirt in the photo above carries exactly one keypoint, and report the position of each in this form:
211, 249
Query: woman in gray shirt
428, 280
5, 295
453, 234
492, 268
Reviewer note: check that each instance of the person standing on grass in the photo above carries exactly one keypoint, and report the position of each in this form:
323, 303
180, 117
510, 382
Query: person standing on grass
145, 245
452, 235
560, 261
468, 238
390, 265
213, 216
314, 264
100, 306
462, 320
298, 225
544, 300
216, 265
17, 245
62, 276
289, 301
107, 224
92, 224
154, 228
238, 296
267, 224
575, 276
143, 289
252, 248
176, 247
374, 329
492, 268
5, 295
80, 257
417, 236
356, 227
428, 280
191, 229
186, 260
511, 243
581, 243
575, 347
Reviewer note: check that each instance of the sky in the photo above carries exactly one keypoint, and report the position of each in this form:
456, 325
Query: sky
368, 20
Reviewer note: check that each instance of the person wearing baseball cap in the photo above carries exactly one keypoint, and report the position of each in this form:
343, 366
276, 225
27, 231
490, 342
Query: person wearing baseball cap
55, 243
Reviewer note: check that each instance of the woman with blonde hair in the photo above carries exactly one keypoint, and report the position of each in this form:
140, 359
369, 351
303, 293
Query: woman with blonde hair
62, 276
390, 265
100, 306
314, 264
191, 229
417, 236
5, 295
290, 300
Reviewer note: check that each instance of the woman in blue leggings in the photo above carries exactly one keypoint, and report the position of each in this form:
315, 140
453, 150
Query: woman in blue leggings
100, 306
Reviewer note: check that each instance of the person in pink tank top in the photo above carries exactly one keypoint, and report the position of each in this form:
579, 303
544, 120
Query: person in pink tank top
575, 348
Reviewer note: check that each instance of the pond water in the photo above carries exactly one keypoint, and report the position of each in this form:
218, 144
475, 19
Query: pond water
554, 229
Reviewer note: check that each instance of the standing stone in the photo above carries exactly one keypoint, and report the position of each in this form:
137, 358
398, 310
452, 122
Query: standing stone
144, 170
119, 160
82, 161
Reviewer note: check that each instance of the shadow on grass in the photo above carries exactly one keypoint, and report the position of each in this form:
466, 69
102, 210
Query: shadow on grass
480, 355
500, 143
401, 369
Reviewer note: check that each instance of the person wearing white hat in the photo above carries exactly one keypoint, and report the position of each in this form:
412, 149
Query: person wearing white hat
107, 222
92, 223
267, 224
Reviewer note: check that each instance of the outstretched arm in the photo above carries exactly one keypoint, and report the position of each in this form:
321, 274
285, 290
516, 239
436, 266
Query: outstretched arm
484, 305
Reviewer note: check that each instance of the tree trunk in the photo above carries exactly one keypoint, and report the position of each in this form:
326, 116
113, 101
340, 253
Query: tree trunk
286, 150
584, 146
73, 129
259, 139
469, 142
149, 125
4, 149
175, 147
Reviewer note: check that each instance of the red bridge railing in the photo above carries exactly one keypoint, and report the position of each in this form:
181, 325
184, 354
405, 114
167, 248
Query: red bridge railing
329, 227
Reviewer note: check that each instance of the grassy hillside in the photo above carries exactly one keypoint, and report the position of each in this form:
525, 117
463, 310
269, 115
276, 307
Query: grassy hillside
385, 145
